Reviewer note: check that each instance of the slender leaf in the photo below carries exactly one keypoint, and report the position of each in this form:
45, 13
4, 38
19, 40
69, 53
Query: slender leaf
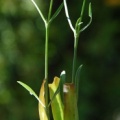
78, 23
42, 110
62, 82
90, 10
77, 79
57, 12
56, 104
59, 88
31, 91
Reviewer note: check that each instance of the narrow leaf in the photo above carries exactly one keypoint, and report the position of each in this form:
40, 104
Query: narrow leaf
62, 82
31, 91
42, 110
78, 23
90, 10
56, 13
59, 88
56, 104
77, 79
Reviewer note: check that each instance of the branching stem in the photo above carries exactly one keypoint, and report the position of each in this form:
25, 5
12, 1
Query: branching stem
39, 11
76, 32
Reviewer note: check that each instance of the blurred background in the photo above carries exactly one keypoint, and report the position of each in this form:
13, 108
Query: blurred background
22, 57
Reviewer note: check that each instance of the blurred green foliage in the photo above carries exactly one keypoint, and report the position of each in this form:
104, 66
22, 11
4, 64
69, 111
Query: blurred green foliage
22, 58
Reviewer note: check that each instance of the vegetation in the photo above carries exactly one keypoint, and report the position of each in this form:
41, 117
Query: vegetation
21, 58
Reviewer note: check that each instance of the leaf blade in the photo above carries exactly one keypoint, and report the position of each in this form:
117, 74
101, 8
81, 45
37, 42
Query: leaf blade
56, 104
77, 80
31, 91
42, 110
56, 13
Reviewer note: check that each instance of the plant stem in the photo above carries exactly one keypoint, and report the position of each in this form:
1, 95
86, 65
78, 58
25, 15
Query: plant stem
46, 69
46, 51
47, 24
46, 47
39, 11
76, 38
50, 9
83, 7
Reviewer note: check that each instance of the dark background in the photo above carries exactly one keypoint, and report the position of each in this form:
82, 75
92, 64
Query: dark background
22, 57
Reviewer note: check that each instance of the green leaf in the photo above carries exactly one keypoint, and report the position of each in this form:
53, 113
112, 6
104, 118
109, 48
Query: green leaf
42, 110
78, 23
77, 79
56, 104
90, 10
56, 13
59, 88
62, 82
31, 91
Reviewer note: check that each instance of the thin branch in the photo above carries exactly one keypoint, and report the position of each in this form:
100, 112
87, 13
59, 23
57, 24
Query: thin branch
67, 15
39, 11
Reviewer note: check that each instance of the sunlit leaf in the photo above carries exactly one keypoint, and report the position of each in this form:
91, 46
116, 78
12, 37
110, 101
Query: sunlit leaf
59, 88
62, 82
78, 24
42, 110
56, 104
31, 92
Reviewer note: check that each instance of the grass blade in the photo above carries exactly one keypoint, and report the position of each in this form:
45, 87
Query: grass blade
62, 82
59, 88
77, 79
56, 104
30, 91
42, 111
56, 13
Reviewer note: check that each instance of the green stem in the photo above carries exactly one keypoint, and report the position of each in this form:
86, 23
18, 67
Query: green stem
50, 9
46, 48
76, 38
83, 7
47, 24
46, 51
46, 69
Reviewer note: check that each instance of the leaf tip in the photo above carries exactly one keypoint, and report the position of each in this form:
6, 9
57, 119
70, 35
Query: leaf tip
18, 82
63, 72
90, 10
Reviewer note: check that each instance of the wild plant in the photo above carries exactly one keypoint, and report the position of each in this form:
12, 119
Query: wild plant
63, 101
